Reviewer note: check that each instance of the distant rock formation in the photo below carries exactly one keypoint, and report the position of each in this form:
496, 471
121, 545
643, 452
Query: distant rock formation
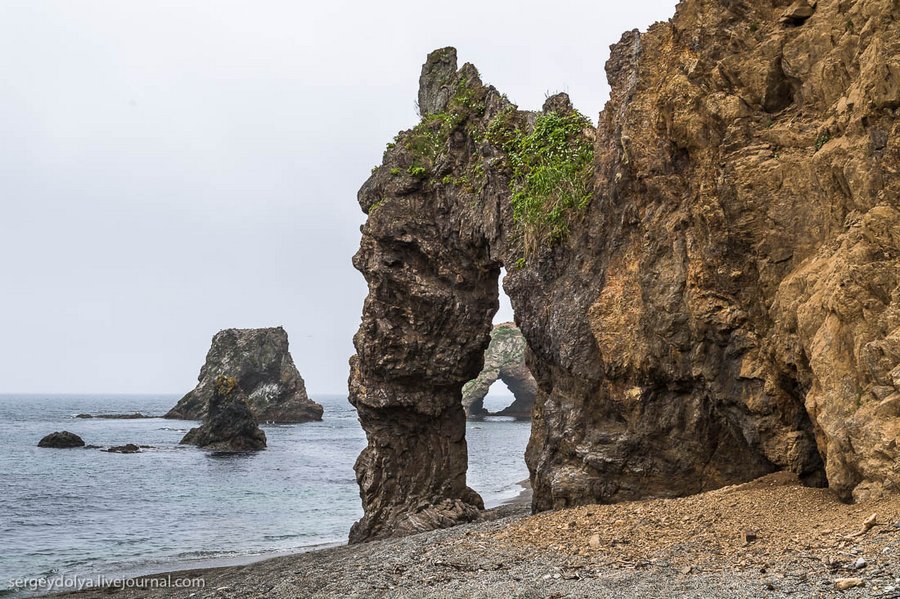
504, 360
61, 440
262, 365
229, 424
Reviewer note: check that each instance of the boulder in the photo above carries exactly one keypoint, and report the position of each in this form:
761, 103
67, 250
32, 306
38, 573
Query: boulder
229, 424
260, 362
61, 440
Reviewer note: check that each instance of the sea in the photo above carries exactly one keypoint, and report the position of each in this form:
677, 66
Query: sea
86, 513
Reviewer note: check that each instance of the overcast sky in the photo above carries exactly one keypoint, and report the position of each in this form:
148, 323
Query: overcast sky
169, 169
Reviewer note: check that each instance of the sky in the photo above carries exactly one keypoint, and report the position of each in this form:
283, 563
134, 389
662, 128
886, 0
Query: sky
172, 168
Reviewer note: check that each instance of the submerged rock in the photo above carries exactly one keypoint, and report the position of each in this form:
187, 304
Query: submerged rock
127, 448
265, 372
504, 360
229, 424
61, 440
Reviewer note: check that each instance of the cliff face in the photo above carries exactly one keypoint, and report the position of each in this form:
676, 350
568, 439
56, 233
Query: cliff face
504, 360
718, 300
262, 365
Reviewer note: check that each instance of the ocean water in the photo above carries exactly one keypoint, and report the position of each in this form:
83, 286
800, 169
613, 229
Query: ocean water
85, 512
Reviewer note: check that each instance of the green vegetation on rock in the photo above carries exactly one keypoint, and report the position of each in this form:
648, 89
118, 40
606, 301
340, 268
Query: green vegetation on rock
427, 140
552, 168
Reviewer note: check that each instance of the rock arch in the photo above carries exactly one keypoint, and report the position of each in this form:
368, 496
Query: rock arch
710, 314
431, 255
504, 360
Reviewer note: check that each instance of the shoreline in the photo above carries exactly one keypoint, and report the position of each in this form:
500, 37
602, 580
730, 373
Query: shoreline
803, 541
520, 503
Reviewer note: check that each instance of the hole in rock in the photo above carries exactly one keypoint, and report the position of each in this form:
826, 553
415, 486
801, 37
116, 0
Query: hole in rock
505, 311
498, 398
496, 444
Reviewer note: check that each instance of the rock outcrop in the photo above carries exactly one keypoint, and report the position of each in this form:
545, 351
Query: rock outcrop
504, 360
127, 448
61, 440
260, 361
229, 424
715, 297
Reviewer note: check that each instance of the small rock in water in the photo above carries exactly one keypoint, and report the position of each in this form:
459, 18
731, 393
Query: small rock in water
61, 440
127, 448
843, 584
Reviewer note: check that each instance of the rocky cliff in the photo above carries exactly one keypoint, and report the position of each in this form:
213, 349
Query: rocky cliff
262, 365
504, 360
707, 281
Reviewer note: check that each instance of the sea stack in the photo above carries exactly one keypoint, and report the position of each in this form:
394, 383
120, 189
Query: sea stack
262, 366
504, 360
229, 424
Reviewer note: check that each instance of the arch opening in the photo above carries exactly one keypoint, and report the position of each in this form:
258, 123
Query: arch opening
499, 419
498, 398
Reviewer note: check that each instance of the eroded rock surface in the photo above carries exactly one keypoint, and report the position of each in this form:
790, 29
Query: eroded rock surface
724, 304
260, 361
229, 424
504, 360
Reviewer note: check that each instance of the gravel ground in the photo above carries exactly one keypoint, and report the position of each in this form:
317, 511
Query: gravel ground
691, 547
